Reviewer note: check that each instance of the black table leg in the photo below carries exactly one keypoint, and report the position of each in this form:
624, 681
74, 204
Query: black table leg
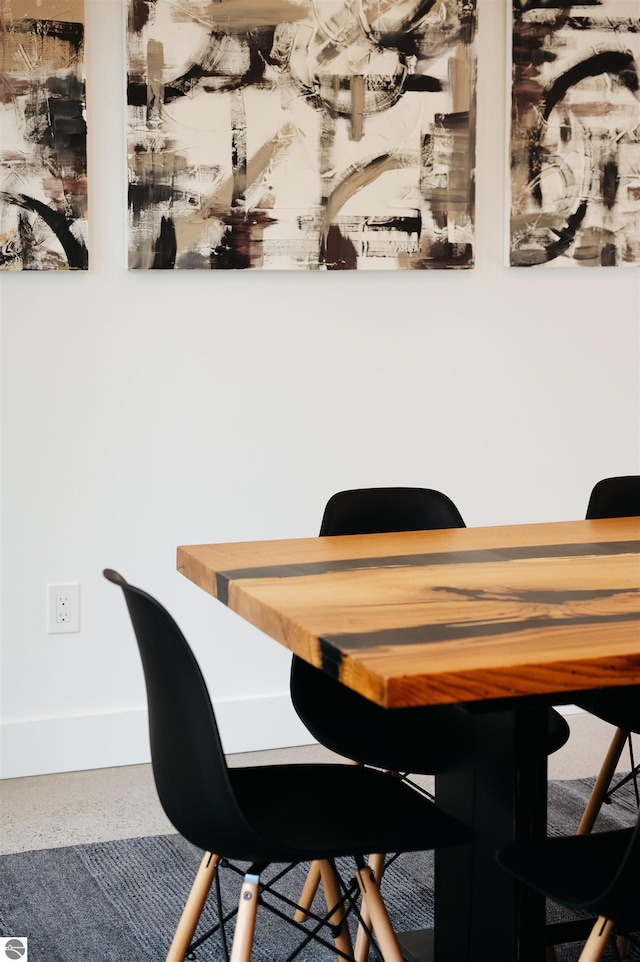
481, 912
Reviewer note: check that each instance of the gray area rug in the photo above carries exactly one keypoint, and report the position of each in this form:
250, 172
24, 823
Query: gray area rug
115, 901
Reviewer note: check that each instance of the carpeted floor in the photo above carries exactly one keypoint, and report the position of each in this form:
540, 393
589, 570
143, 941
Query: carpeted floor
120, 900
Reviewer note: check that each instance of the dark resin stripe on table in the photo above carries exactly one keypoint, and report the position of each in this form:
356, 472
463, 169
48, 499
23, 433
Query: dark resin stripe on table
333, 646
429, 559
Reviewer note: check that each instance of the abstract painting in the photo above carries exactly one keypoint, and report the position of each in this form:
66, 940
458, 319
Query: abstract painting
575, 134
301, 134
43, 153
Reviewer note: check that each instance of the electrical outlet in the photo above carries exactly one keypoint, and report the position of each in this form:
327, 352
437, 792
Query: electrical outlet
63, 609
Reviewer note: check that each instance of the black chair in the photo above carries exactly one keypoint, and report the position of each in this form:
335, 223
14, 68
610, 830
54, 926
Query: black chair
269, 814
598, 874
421, 740
617, 497
613, 498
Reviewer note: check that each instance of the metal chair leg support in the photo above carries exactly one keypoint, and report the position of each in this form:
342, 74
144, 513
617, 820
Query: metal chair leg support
246, 919
602, 782
376, 864
634, 770
193, 908
597, 942
380, 922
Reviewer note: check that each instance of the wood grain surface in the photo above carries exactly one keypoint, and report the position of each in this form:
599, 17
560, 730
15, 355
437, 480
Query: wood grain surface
445, 616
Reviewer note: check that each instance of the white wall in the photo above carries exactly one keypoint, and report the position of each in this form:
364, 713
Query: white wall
142, 411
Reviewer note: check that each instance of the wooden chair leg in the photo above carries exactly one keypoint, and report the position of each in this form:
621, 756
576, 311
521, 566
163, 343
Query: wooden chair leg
623, 946
334, 900
603, 781
193, 908
550, 954
597, 942
308, 893
245, 919
380, 922
361, 954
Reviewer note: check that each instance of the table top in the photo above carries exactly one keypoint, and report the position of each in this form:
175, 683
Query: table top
462, 614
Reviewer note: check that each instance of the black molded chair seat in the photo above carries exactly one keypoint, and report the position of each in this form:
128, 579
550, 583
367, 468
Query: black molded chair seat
562, 868
395, 739
265, 814
295, 809
619, 706
425, 740
597, 873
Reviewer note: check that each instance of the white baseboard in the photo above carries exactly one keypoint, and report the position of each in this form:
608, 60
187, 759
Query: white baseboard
48, 745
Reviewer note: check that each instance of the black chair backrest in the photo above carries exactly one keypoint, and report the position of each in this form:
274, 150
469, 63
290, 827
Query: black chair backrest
377, 510
615, 498
189, 766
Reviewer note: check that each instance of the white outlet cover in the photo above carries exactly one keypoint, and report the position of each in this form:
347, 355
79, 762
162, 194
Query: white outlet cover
72, 625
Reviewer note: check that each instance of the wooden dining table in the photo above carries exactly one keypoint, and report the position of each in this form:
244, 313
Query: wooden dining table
500, 621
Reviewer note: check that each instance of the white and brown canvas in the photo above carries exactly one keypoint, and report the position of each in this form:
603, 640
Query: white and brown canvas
301, 134
575, 134
43, 154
